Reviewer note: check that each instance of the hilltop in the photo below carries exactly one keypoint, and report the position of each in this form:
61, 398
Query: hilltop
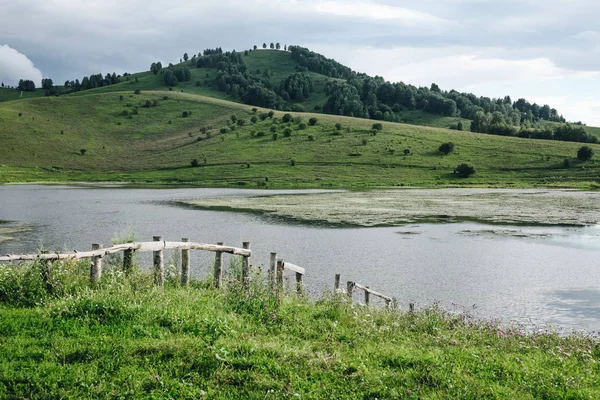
183, 138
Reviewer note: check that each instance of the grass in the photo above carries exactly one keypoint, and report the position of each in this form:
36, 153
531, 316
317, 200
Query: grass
13, 94
124, 141
126, 338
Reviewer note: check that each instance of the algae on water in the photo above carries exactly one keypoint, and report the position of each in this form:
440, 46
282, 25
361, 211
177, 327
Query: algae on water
405, 206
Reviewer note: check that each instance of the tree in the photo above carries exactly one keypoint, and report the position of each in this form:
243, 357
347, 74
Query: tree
278, 46
287, 118
338, 126
264, 45
194, 162
47, 84
285, 47
313, 121
459, 126
255, 47
446, 148
272, 46
185, 57
377, 127
464, 170
83, 151
156, 67
585, 153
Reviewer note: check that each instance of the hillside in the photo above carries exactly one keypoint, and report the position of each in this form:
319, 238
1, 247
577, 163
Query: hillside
125, 141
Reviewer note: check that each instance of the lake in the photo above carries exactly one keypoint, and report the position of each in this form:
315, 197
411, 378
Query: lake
529, 275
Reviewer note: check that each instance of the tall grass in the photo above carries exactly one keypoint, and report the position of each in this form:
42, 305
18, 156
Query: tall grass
126, 338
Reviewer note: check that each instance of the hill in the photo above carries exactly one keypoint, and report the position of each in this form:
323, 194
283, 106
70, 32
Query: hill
122, 136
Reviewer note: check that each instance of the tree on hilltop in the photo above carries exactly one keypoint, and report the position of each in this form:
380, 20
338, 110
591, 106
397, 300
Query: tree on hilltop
185, 57
255, 47
264, 45
272, 46
278, 46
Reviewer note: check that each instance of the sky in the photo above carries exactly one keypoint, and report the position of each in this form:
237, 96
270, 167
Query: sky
547, 52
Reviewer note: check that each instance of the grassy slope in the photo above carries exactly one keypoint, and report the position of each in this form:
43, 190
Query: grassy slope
128, 339
12, 94
44, 144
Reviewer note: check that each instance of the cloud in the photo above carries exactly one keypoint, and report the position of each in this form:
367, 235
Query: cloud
15, 66
377, 11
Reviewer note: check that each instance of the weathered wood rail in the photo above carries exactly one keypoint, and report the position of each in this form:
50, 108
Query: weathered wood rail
277, 268
351, 285
158, 246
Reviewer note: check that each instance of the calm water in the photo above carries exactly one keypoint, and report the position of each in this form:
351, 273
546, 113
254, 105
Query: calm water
527, 275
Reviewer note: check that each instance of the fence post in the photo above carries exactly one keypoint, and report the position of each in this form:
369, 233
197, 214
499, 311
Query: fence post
185, 264
245, 265
349, 289
336, 285
46, 270
272, 266
127, 261
218, 270
299, 282
367, 296
280, 274
411, 307
159, 265
96, 266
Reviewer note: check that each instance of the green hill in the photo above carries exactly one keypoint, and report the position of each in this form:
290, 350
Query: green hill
42, 140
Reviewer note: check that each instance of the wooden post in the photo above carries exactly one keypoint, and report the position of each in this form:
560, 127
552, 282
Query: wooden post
367, 296
272, 266
336, 285
159, 264
46, 270
280, 274
127, 261
349, 289
218, 270
96, 266
299, 283
245, 265
185, 264
411, 307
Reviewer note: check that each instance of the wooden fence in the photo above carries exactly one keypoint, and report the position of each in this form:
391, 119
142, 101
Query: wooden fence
276, 271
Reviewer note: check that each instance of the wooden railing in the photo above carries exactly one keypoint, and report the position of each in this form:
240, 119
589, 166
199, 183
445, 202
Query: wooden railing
157, 247
277, 268
351, 285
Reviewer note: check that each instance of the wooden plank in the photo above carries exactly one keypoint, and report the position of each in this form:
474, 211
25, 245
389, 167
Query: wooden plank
336, 285
185, 264
141, 247
371, 291
295, 268
272, 268
350, 289
96, 265
218, 269
280, 274
245, 265
299, 283
159, 262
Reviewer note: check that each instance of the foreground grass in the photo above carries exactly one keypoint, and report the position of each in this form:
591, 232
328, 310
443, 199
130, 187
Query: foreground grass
124, 141
128, 339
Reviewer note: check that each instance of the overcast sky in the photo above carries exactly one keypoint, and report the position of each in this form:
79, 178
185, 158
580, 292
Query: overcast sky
546, 51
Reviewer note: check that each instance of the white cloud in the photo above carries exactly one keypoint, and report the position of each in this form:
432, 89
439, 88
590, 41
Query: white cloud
15, 66
376, 11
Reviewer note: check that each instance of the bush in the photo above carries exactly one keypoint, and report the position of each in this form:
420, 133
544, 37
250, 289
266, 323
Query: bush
365, 142
273, 128
298, 108
311, 138
293, 162
254, 110
223, 130
83, 151
271, 114
198, 83
185, 114
148, 104
254, 119
241, 122
446, 148
302, 126
121, 97
464, 170
233, 118
460, 126
585, 153
287, 132
313, 121
287, 118
194, 162
260, 134
566, 163
275, 136
377, 127
406, 152
338, 126
137, 91
263, 116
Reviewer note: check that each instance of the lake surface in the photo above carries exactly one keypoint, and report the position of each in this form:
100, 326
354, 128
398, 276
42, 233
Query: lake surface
534, 276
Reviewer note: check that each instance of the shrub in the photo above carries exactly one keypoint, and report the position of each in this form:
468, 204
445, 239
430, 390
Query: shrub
194, 162
287, 118
185, 114
273, 128
293, 162
313, 121
271, 113
275, 136
260, 134
223, 130
233, 118
302, 126
377, 127
124, 113
154, 103
406, 152
198, 83
169, 122
83, 151
241, 122
338, 126
446, 148
148, 104
365, 142
298, 108
254, 119
460, 126
137, 91
311, 138
121, 97
165, 97
464, 170
298, 119
263, 116
203, 129
287, 132
349, 130
585, 153
254, 110
566, 163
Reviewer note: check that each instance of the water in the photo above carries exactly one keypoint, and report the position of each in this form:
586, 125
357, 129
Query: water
534, 276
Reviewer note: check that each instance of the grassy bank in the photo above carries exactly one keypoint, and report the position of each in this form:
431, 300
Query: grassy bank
117, 137
127, 339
